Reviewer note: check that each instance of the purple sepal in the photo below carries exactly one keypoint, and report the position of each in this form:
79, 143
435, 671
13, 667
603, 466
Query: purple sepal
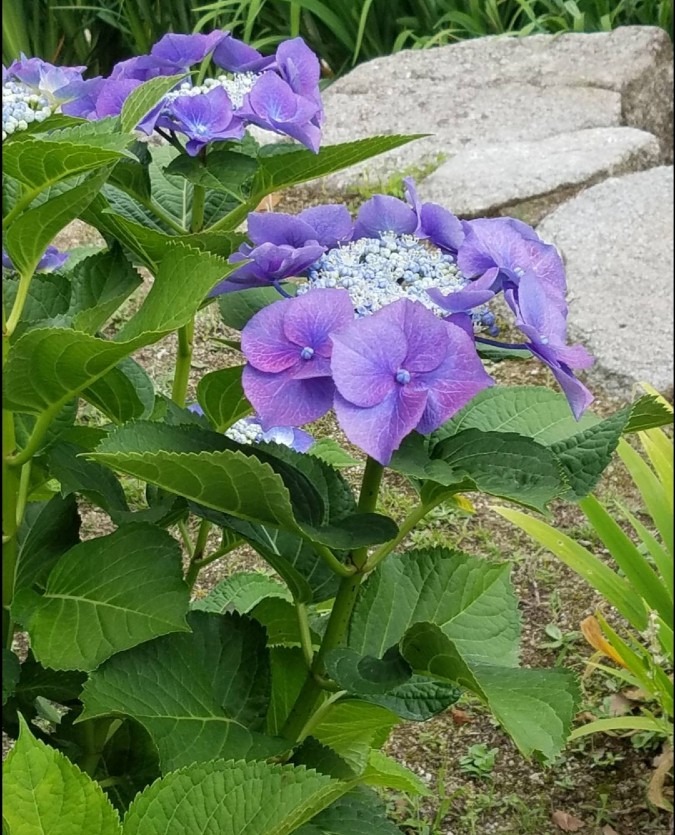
236, 56
383, 213
273, 105
52, 260
203, 119
44, 77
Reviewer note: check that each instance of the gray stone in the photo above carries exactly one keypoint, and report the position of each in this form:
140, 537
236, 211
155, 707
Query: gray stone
536, 176
495, 90
617, 242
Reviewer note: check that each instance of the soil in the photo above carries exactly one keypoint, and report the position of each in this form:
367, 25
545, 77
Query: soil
601, 783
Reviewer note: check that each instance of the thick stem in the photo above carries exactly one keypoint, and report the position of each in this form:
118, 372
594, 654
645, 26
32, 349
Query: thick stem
17, 308
196, 561
305, 634
340, 616
183, 363
10, 494
198, 206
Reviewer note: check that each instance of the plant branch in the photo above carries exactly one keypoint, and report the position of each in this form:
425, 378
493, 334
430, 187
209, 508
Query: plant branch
183, 363
305, 633
416, 515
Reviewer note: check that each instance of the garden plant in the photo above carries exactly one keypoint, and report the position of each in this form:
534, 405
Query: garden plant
264, 706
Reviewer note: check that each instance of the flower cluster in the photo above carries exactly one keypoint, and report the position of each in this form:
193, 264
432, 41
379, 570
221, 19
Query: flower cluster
32, 90
398, 370
279, 93
418, 251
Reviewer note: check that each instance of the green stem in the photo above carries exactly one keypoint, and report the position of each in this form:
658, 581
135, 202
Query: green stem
183, 363
42, 424
22, 498
159, 212
185, 536
416, 515
10, 493
319, 713
198, 206
19, 302
370, 488
305, 633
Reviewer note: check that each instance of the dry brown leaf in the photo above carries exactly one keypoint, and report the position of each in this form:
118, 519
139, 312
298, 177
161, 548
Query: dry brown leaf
590, 629
619, 705
655, 794
567, 822
460, 717
608, 830
268, 203
635, 694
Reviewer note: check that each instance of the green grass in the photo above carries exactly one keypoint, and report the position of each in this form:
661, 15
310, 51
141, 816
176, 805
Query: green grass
98, 33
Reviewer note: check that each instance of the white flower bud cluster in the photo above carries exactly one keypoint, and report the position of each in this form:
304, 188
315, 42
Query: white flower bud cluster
20, 107
236, 86
651, 636
378, 271
245, 431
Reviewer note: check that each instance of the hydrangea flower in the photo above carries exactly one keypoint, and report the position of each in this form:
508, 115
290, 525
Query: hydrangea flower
399, 370
398, 249
249, 430
288, 346
52, 260
279, 93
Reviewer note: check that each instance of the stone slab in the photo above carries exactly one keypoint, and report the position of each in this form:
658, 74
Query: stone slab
536, 176
493, 90
617, 242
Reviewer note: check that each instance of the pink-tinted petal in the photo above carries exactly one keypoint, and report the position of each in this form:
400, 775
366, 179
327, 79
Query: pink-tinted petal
281, 399
366, 357
314, 316
379, 430
264, 343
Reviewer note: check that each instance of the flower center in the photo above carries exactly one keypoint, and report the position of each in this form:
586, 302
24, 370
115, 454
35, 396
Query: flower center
21, 106
237, 86
378, 271
402, 376
307, 353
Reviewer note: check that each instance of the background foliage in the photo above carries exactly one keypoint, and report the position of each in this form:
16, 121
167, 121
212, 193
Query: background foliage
100, 32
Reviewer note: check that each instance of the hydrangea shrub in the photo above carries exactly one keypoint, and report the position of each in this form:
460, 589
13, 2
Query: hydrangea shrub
263, 706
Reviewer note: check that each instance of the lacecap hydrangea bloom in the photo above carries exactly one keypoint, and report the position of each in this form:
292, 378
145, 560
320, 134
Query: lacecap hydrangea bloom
249, 430
408, 250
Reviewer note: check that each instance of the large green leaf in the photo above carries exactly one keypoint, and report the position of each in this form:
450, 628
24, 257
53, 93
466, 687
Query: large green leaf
48, 298
222, 170
352, 727
48, 530
240, 593
251, 798
222, 397
142, 100
77, 475
107, 594
289, 673
237, 307
49, 366
535, 707
359, 812
200, 696
27, 237
44, 792
124, 393
456, 620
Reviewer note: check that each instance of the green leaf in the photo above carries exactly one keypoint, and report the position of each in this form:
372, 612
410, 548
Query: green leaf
200, 695
288, 169
100, 283
232, 797
280, 619
124, 393
359, 812
141, 100
222, 170
418, 699
107, 594
129, 762
383, 771
288, 670
49, 366
77, 475
501, 464
48, 530
41, 162
536, 707
332, 453
351, 728
11, 670
365, 674
48, 299
222, 397
237, 307
28, 236
648, 412
240, 593
44, 792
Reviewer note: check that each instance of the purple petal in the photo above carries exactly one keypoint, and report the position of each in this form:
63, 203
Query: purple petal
112, 96
207, 117
236, 56
332, 224
366, 356
279, 228
310, 319
488, 242
537, 314
425, 334
299, 67
264, 343
279, 399
272, 104
278, 262
384, 214
578, 396
379, 430
185, 50
441, 227
545, 262
82, 97
141, 68
473, 295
